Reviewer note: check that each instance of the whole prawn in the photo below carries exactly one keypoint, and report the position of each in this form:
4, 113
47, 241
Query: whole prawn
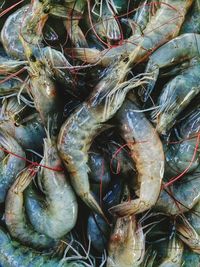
147, 153
56, 214
15, 216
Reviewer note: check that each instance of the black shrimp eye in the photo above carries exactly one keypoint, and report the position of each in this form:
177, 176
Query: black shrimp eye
41, 1
46, 9
32, 58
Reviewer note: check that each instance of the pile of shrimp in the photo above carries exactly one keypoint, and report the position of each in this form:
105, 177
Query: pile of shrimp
99, 133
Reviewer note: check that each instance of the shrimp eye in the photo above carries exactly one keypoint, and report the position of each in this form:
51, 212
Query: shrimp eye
16, 124
32, 58
46, 9
41, 1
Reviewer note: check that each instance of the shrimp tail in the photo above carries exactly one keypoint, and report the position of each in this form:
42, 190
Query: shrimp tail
112, 29
89, 55
93, 205
76, 33
127, 208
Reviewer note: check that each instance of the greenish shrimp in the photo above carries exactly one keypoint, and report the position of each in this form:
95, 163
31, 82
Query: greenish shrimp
56, 213
15, 216
147, 153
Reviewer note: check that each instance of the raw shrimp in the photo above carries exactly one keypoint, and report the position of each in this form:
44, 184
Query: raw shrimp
42, 86
147, 153
127, 244
188, 234
174, 254
163, 26
176, 96
10, 165
181, 48
181, 197
27, 21
77, 133
15, 216
192, 20
98, 232
56, 214
12, 254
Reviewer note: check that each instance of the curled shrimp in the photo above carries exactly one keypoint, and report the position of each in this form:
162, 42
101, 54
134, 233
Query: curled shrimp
163, 26
77, 133
147, 153
15, 216
56, 214
11, 164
